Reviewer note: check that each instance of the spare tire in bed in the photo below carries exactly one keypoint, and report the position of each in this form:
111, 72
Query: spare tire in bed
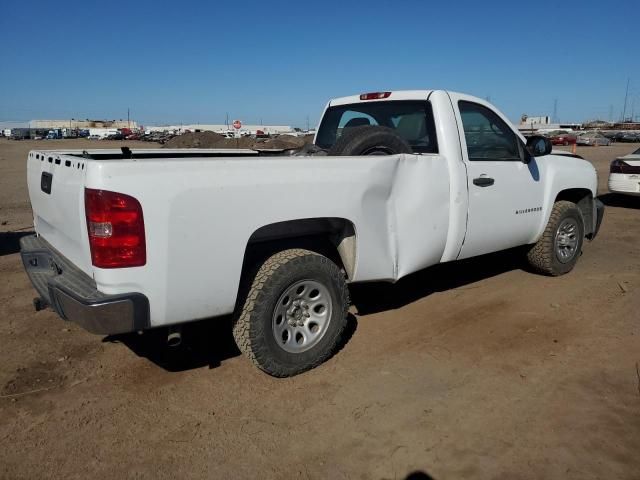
369, 140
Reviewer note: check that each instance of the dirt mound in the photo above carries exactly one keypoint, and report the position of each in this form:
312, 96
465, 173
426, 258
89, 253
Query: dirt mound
214, 140
195, 140
283, 141
242, 142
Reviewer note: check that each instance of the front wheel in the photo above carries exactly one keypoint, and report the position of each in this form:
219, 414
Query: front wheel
560, 245
294, 313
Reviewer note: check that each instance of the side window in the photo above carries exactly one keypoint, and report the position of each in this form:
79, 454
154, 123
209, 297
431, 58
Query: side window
488, 136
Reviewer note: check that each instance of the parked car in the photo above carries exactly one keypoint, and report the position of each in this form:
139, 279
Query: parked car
624, 174
114, 136
562, 137
628, 137
593, 139
432, 177
610, 134
55, 134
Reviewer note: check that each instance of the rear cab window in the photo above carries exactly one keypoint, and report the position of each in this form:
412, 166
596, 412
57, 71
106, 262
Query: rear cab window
412, 120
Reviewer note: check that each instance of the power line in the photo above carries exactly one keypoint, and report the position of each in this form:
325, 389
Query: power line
626, 94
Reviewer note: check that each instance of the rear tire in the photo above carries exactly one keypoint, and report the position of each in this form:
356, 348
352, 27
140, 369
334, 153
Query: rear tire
560, 245
370, 140
294, 313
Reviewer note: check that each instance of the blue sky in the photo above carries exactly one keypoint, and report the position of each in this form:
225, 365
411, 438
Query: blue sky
280, 62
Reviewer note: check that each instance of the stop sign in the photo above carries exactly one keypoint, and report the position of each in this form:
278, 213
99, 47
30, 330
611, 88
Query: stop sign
237, 124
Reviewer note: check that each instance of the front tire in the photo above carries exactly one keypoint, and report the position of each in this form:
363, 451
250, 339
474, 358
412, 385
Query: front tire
294, 313
560, 245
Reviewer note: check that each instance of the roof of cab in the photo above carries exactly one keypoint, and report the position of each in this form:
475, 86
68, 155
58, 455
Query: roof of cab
395, 95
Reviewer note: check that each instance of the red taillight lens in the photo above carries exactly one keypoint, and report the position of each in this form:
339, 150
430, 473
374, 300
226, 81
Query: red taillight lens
620, 166
375, 95
116, 229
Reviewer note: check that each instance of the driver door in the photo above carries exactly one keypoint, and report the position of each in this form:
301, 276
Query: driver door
505, 193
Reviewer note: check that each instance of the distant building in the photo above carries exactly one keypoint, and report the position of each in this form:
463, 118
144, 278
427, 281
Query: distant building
82, 124
627, 126
530, 125
527, 120
598, 124
9, 125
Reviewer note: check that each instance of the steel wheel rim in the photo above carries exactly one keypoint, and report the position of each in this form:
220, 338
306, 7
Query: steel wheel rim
302, 316
378, 150
566, 241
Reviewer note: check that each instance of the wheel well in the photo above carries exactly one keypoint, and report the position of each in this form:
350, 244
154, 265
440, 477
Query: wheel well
332, 237
583, 198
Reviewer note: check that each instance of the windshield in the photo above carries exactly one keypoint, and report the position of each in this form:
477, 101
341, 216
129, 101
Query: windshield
412, 120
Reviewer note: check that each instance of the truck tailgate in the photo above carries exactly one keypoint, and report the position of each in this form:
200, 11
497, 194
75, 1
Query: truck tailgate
56, 190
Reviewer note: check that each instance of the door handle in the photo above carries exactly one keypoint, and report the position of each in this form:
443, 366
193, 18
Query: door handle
483, 181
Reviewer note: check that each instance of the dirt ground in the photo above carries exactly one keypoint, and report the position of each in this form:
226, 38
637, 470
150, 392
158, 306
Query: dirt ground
476, 369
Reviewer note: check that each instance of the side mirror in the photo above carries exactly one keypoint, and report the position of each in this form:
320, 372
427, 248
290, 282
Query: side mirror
539, 146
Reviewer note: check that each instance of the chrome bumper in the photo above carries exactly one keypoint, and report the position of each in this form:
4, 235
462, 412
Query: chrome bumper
74, 295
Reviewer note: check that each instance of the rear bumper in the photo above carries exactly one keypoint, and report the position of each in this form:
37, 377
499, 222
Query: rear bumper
74, 295
624, 183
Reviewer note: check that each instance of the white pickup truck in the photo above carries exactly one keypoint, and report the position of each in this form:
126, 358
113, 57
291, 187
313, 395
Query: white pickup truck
131, 240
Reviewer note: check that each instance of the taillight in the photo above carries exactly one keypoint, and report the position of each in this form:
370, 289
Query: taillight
620, 166
116, 229
374, 95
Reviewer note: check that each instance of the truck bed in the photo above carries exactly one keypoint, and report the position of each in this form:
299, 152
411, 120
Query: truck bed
201, 207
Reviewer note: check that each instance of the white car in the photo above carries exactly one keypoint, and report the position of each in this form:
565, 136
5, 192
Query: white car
131, 240
624, 174
592, 139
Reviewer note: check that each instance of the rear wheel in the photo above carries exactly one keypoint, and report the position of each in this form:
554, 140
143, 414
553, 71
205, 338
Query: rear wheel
557, 251
294, 313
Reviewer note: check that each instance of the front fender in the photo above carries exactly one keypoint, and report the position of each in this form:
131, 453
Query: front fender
568, 178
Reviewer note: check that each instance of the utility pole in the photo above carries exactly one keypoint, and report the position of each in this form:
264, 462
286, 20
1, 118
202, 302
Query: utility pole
624, 110
128, 120
307, 123
554, 119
